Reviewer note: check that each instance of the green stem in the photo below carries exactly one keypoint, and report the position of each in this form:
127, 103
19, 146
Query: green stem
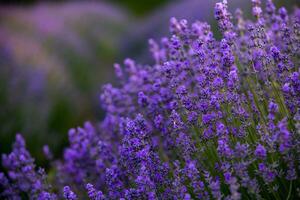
290, 191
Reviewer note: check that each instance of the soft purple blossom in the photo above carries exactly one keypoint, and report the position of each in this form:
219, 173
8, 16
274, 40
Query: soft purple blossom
210, 119
69, 194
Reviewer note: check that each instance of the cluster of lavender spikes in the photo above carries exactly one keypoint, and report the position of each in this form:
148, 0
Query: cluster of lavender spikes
209, 120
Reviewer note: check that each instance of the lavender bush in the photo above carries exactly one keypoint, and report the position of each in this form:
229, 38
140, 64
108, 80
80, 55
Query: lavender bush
154, 25
210, 120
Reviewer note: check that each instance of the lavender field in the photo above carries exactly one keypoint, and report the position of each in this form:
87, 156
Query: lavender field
210, 111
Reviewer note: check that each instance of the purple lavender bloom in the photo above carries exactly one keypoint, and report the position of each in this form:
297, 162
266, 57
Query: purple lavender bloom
93, 194
69, 194
114, 182
260, 151
210, 119
46, 196
22, 173
142, 99
47, 152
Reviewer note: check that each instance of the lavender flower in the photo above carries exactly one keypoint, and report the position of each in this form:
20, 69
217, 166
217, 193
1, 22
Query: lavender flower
22, 174
260, 151
93, 193
209, 120
69, 194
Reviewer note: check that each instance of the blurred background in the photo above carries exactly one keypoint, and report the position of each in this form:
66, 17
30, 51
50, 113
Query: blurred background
56, 55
